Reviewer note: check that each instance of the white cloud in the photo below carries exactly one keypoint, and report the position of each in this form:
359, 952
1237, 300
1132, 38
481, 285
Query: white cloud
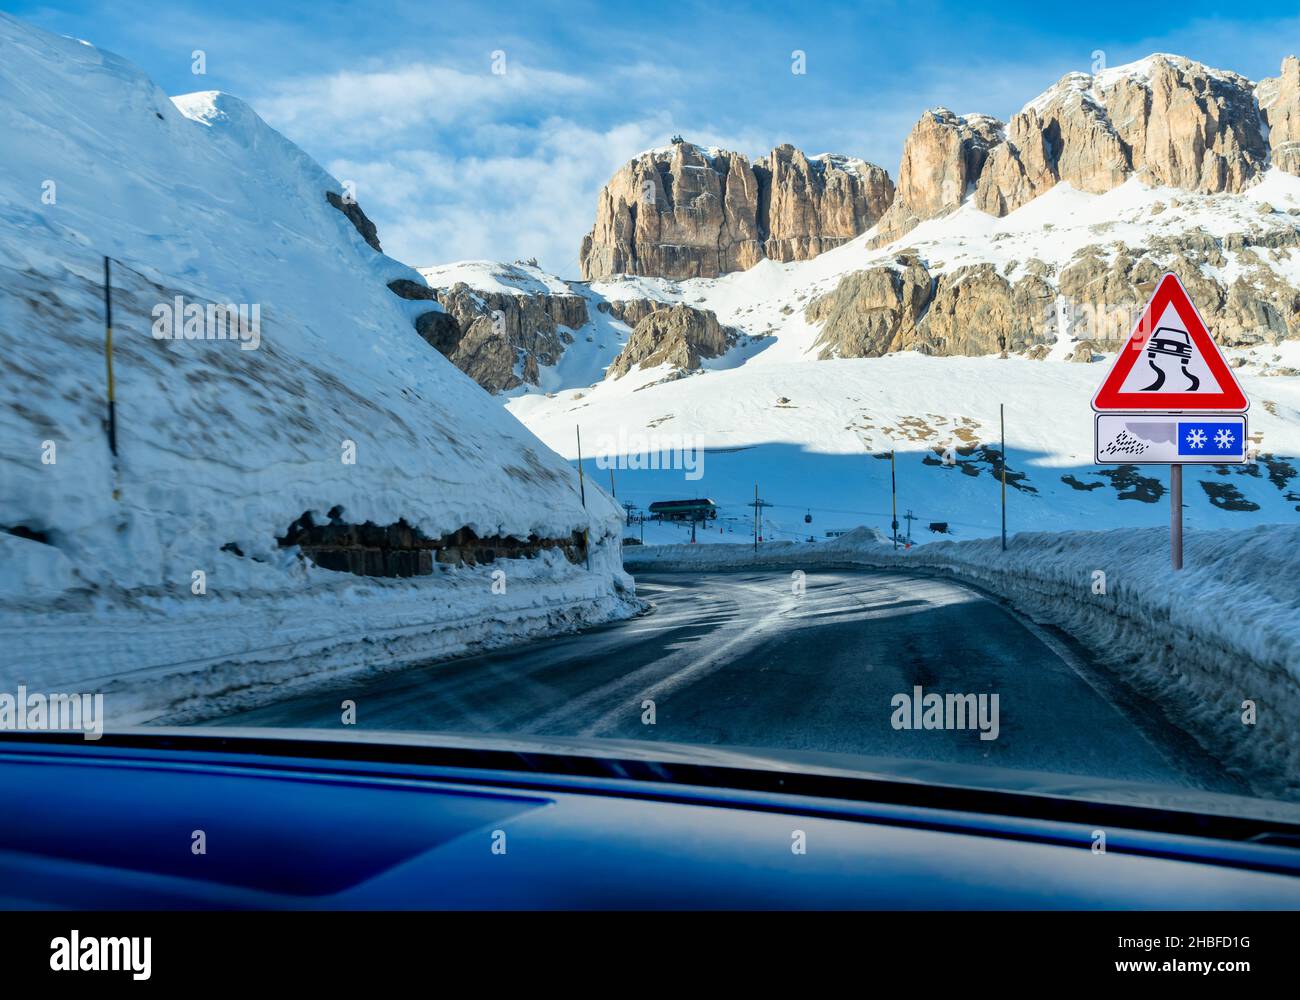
435, 206
363, 106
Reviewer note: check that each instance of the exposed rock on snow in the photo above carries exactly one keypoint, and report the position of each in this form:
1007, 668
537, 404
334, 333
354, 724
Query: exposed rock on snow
978, 311
873, 312
631, 311
1257, 306
677, 336
686, 212
504, 336
970, 311
357, 217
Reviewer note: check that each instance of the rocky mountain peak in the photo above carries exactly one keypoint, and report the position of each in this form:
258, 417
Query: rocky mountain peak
1166, 119
942, 158
1279, 104
687, 212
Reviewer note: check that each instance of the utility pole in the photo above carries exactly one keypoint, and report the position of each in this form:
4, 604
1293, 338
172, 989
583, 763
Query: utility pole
1176, 514
909, 517
758, 505
893, 499
628, 508
1002, 420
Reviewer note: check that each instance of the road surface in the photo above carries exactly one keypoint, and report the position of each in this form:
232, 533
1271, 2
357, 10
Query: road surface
744, 660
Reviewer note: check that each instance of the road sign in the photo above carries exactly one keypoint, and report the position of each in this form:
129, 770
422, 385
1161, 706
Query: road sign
1170, 439
1170, 363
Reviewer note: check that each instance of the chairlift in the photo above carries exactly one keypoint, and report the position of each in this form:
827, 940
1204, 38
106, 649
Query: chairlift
807, 518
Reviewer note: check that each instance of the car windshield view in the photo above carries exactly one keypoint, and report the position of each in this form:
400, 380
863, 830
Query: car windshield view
520, 397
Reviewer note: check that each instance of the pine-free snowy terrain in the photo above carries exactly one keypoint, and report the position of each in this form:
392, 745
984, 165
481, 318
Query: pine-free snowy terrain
222, 447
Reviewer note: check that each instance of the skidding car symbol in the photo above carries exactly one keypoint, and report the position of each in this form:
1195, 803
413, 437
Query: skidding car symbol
1170, 342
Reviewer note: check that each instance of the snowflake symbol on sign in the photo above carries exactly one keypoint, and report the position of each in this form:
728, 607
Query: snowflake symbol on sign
1223, 439
1196, 438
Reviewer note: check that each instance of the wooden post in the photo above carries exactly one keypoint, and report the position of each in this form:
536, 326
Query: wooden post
1176, 515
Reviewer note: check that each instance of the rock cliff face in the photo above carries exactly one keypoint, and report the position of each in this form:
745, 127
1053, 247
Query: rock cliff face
499, 339
1106, 286
1168, 120
1091, 300
677, 335
1279, 103
942, 159
691, 213
971, 310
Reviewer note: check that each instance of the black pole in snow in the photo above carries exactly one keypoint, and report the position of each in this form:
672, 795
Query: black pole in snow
1002, 420
108, 360
893, 500
582, 487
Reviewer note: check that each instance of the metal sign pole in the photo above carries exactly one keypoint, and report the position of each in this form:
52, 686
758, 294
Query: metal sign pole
1176, 514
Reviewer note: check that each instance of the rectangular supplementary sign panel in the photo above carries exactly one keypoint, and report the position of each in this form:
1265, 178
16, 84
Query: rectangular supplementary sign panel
1170, 439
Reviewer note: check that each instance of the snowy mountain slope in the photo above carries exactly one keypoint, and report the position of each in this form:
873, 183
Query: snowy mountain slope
223, 443
809, 454
866, 348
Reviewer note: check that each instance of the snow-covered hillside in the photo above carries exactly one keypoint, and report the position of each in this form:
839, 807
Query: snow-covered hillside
337, 407
805, 430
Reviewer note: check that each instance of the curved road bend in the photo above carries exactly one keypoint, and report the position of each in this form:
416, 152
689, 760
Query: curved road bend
738, 659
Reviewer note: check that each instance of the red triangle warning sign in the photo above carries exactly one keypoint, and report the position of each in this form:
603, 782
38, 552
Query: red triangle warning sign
1170, 362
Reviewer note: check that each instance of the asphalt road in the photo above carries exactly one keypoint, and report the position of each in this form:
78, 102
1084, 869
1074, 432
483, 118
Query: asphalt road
742, 660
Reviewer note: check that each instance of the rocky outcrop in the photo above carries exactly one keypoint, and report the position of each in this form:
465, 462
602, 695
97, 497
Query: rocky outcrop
500, 339
690, 213
1106, 288
1069, 139
631, 311
679, 336
358, 218
1279, 103
873, 312
1167, 119
942, 159
972, 310
978, 311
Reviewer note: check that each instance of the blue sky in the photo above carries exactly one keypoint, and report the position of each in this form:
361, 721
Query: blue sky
453, 161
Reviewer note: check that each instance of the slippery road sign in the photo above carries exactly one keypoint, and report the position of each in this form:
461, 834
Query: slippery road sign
1170, 439
1170, 363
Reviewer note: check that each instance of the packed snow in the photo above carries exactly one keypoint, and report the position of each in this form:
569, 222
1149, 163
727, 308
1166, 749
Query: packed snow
223, 443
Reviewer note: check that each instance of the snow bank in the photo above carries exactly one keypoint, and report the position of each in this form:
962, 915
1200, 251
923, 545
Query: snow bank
1200, 643
223, 443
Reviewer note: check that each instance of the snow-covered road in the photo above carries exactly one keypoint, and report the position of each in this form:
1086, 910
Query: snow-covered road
744, 659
